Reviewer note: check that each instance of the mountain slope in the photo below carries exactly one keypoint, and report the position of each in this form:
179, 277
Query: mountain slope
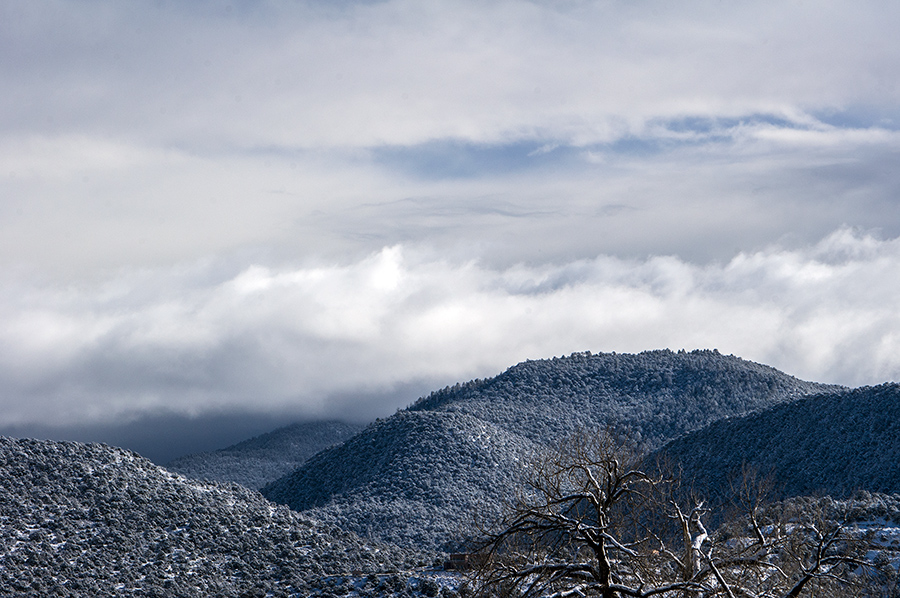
256, 462
658, 394
416, 478
89, 520
832, 444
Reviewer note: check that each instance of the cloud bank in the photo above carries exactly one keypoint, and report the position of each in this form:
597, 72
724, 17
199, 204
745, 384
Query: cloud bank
300, 340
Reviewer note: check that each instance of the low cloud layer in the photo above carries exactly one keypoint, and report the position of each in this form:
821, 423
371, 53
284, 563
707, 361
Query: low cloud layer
348, 340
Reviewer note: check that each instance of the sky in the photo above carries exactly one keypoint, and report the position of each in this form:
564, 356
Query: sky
220, 217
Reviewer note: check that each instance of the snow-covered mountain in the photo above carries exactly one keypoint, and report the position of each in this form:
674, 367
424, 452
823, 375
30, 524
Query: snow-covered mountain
92, 520
417, 477
658, 395
265, 458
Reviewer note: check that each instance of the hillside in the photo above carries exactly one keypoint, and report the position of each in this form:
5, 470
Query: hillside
658, 394
830, 444
416, 478
256, 462
91, 520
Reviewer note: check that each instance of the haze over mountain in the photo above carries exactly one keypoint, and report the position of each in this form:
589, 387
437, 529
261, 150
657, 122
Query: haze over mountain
262, 459
417, 477
94, 520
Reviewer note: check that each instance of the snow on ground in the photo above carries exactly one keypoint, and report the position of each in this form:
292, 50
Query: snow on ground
429, 583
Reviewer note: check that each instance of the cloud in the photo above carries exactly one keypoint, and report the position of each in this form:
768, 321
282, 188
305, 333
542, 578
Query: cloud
302, 340
143, 136
407, 72
715, 189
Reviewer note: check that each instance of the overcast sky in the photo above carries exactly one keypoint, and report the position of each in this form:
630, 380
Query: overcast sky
288, 210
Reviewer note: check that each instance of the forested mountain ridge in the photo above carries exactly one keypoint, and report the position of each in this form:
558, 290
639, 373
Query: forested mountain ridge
830, 444
416, 477
659, 394
257, 461
92, 520
87, 520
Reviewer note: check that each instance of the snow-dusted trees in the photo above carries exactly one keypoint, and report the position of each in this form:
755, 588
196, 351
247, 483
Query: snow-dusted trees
593, 522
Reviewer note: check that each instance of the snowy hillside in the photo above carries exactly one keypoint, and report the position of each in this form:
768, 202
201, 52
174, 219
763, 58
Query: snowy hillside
658, 394
831, 444
417, 478
92, 520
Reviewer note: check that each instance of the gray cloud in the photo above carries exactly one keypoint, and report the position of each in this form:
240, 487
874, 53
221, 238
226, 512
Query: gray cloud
707, 201
402, 72
152, 135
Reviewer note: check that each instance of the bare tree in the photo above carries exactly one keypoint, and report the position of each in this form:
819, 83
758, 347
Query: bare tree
591, 521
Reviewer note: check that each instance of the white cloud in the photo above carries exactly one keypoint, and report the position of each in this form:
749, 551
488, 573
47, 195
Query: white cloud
298, 339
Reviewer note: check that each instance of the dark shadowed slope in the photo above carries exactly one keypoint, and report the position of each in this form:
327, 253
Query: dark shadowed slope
418, 477
92, 520
260, 460
832, 444
415, 478
659, 394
